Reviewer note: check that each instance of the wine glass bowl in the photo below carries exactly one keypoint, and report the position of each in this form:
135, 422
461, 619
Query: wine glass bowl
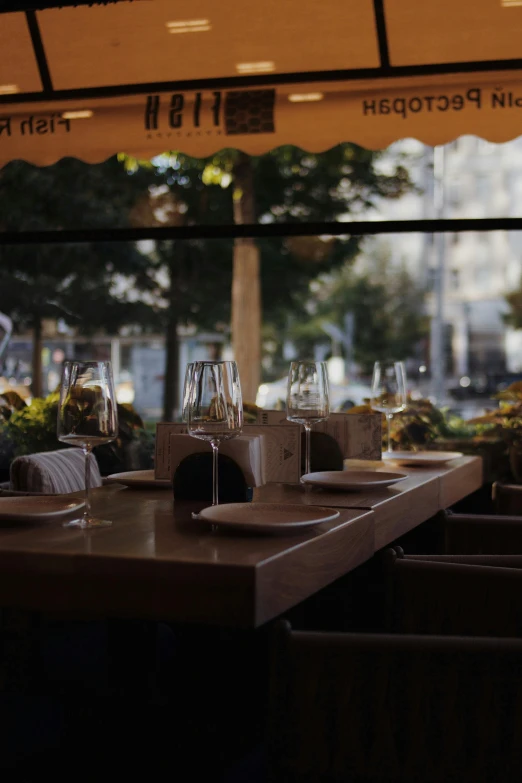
388, 393
186, 391
215, 408
307, 399
87, 417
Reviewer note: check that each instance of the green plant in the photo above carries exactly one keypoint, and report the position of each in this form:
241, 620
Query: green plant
32, 429
506, 420
10, 401
423, 423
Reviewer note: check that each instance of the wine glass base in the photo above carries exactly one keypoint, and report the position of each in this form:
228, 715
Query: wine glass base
387, 454
88, 523
196, 516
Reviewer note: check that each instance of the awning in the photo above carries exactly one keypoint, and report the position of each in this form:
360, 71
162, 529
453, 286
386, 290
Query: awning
194, 75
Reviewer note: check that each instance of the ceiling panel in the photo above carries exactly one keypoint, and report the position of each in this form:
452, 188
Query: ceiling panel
18, 67
448, 31
133, 43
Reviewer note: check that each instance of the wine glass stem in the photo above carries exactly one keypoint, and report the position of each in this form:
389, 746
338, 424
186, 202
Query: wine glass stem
308, 432
389, 417
88, 455
215, 455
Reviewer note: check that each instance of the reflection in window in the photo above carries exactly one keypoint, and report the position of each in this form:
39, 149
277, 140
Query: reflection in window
483, 276
454, 278
431, 278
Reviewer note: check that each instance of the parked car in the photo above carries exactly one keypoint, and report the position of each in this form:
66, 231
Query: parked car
342, 396
482, 386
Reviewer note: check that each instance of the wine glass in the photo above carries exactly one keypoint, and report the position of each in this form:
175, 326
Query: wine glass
215, 408
388, 392
307, 399
186, 391
87, 417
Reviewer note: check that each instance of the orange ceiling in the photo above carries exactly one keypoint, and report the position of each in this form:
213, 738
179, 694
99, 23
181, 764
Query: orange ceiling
447, 31
18, 67
130, 43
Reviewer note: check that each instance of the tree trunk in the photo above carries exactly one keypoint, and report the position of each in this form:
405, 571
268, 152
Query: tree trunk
246, 288
215, 352
36, 384
170, 390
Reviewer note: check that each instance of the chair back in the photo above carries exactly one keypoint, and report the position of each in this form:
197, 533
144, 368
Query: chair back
499, 561
477, 534
441, 597
507, 498
394, 709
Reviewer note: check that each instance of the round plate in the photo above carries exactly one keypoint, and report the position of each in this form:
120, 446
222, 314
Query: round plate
37, 509
420, 457
275, 518
139, 479
352, 480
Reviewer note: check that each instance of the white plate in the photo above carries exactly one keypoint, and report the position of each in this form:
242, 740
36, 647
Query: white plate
420, 457
276, 518
352, 480
139, 479
37, 509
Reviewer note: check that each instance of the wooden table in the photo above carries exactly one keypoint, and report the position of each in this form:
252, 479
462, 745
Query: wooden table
155, 562
398, 508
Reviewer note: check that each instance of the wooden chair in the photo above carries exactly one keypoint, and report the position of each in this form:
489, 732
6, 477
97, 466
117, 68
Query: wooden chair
441, 596
499, 561
394, 709
507, 498
496, 534
477, 534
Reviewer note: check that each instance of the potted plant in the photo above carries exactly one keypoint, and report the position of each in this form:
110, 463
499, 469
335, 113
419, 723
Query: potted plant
27, 429
424, 426
505, 422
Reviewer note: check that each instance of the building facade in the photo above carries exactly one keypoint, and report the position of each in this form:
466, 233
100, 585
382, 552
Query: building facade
477, 180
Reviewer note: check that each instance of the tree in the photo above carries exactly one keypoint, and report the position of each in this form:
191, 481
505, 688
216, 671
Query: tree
246, 282
514, 300
76, 282
387, 306
105, 286
189, 280
288, 185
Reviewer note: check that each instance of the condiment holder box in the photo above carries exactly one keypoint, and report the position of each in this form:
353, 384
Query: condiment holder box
281, 449
247, 451
358, 436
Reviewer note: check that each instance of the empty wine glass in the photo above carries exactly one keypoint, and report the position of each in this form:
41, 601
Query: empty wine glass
307, 399
388, 392
87, 417
186, 392
215, 408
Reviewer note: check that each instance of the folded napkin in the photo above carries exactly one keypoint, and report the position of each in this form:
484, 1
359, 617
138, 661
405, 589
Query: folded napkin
11, 493
53, 472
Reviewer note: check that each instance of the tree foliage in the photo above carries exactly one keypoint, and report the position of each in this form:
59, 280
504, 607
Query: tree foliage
514, 300
387, 307
175, 283
291, 186
76, 282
